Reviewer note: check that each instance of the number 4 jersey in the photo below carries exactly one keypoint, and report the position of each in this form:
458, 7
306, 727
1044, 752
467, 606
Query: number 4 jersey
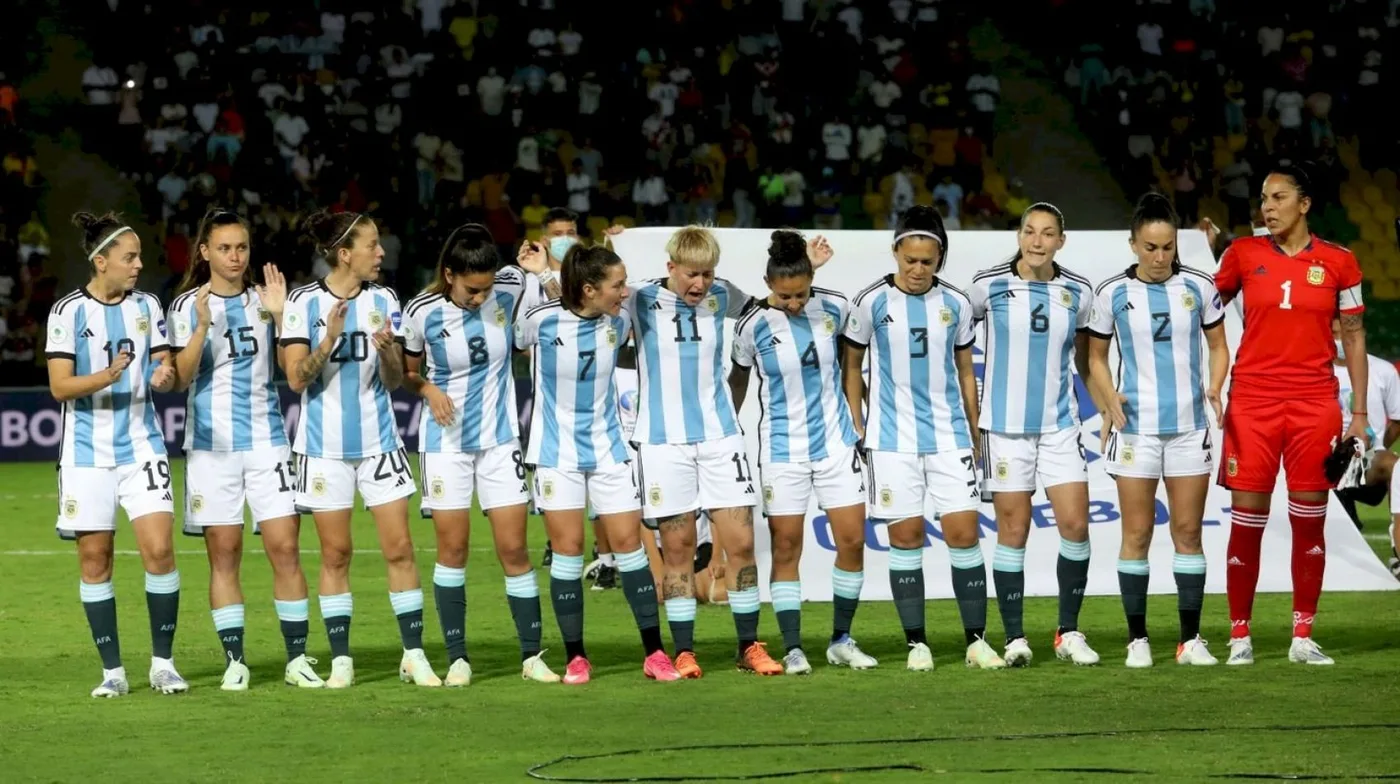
232, 405
346, 413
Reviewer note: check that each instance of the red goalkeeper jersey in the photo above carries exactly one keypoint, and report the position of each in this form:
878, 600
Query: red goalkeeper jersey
1289, 303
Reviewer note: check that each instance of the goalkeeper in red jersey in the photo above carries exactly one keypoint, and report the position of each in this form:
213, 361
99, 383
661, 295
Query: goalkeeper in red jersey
1283, 398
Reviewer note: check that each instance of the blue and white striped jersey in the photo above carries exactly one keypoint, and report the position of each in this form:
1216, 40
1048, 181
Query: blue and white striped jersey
1160, 346
574, 425
346, 413
803, 413
117, 425
467, 354
232, 406
1028, 387
913, 404
680, 358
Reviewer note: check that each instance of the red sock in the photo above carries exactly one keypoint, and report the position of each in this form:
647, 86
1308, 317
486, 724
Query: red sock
1242, 565
1309, 562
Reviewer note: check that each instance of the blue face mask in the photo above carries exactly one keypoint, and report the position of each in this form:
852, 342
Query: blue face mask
558, 246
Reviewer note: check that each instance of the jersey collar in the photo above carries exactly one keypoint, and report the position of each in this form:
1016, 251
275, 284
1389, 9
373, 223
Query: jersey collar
322, 283
1016, 271
1273, 243
1132, 270
88, 294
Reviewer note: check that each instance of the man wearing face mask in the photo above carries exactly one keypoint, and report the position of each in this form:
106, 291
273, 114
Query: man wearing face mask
1383, 425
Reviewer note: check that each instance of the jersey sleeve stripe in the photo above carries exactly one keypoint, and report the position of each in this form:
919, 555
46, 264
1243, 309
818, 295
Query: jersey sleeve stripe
179, 301
1111, 281
298, 293
58, 307
60, 355
747, 319
419, 302
879, 284
542, 308
1000, 269
829, 293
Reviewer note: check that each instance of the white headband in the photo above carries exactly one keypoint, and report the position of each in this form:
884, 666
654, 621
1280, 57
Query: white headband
918, 233
348, 229
98, 248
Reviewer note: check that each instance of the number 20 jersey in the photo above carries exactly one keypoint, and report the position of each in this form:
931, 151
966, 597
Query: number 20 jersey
346, 413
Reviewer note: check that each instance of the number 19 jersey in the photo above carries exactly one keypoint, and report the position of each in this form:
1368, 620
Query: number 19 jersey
346, 413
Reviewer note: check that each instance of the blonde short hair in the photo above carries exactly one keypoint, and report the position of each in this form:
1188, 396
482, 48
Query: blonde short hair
694, 247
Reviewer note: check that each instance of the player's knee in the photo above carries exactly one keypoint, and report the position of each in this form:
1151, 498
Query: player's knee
335, 557
284, 555
739, 553
452, 554
787, 547
95, 567
225, 560
398, 552
515, 559
1075, 529
159, 557
1136, 542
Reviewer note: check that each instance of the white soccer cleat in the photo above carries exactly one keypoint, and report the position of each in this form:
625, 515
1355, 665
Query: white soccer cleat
1071, 646
1304, 650
534, 669
845, 653
414, 668
920, 658
1195, 652
113, 684
795, 663
1018, 653
235, 677
1139, 654
165, 679
300, 674
981, 656
342, 673
459, 674
1241, 651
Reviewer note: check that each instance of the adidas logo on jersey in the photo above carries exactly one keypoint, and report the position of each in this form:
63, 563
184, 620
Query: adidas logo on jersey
87, 333
655, 306
888, 319
321, 323
1006, 294
1128, 306
444, 334
774, 341
1261, 270
167, 497
558, 341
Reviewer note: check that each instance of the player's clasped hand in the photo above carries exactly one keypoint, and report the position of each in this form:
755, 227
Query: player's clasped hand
119, 365
201, 305
1114, 419
440, 404
335, 321
163, 378
383, 339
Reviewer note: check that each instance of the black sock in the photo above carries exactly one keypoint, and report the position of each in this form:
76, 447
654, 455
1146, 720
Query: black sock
1132, 585
450, 596
292, 618
228, 623
163, 604
640, 590
566, 594
336, 611
680, 617
1011, 590
100, 606
845, 599
1072, 572
907, 587
523, 596
1190, 574
970, 589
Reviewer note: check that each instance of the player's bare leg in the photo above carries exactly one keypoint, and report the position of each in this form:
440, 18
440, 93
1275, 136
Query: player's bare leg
961, 533
907, 588
1186, 503
95, 552
735, 525
1013, 513
405, 589
678, 587
522, 590
1137, 499
453, 530
847, 578
625, 533
1070, 502
333, 589
224, 546
786, 588
281, 539
1249, 513
1307, 516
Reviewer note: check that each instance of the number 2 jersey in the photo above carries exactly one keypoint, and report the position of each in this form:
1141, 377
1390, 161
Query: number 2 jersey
1289, 303
116, 425
346, 413
233, 405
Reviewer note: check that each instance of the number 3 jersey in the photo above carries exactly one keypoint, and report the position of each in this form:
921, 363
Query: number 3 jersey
346, 413
467, 354
232, 406
116, 425
1028, 386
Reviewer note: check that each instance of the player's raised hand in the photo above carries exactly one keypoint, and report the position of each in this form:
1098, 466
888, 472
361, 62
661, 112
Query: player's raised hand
119, 365
273, 292
201, 306
1113, 418
1212, 231
163, 379
383, 339
440, 404
819, 251
335, 320
1213, 396
532, 257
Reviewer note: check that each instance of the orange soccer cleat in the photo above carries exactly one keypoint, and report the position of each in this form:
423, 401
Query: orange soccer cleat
687, 666
757, 660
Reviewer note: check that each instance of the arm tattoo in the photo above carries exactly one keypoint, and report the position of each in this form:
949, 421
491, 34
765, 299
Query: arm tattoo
746, 579
391, 367
310, 367
678, 586
1351, 323
553, 289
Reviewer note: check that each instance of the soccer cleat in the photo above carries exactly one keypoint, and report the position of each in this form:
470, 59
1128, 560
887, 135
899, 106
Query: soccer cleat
459, 674
1241, 651
845, 653
981, 656
1194, 651
1305, 651
113, 684
300, 674
414, 667
578, 672
658, 667
342, 673
606, 578
235, 677
1018, 653
534, 669
1071, 646
795, 663
1139, 654
687, 666
548, 558
920, 658
165, 679
755, 659
1394, 564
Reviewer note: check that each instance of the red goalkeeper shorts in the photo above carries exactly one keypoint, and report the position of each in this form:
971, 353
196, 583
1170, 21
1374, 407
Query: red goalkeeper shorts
1259, 432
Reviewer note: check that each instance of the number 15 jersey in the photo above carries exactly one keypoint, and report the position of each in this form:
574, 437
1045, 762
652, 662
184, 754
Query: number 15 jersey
346, 413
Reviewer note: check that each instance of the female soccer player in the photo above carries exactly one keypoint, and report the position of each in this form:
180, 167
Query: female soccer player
917, 439
341, 338
577, 450
1036, 313
225, 332
1159, 309
1283, 398
458, 359
806, 438
106, 353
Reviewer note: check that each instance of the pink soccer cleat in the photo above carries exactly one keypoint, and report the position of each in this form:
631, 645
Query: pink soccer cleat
658, 667
578, 671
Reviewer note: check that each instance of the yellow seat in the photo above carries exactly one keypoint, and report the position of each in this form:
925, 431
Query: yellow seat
1371, 194
1384, 289
725, 219
874, 204
625, 220
1350, 192
1373, 232
1222, 157
597, 225
1237, 142
1384, 212
1385, 178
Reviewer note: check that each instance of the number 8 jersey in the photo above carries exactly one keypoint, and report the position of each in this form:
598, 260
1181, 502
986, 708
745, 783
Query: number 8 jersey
346, 413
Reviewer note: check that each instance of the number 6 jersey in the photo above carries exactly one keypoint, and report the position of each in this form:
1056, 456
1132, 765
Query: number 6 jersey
346, 413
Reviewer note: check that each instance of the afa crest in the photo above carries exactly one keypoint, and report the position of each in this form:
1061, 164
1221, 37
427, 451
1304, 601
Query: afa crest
1003, 470
712, 303
828, 324
945, 316
376, 319
886, 496
610, 335
318, 485
1231, 466
500, 317
70, 508
654, 495
767, 494
264, 316
547, 489
1126, 456
1066, 298
197, 503
143, 325
437, 487
1316, 275
1188, 300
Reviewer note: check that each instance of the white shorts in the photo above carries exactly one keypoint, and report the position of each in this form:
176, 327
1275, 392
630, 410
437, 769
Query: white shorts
679, 478
837, 481
496, 475
1151, 457
899, 483
88, 497
217, 484
325, 485
1014, 463
609, 490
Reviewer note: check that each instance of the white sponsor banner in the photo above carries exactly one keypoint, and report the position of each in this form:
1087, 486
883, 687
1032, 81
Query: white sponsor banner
862, 256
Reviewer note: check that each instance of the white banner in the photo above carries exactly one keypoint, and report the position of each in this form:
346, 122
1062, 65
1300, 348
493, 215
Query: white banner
861, 257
